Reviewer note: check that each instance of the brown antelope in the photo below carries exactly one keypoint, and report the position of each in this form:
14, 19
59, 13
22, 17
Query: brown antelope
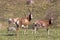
42, 23
24, 22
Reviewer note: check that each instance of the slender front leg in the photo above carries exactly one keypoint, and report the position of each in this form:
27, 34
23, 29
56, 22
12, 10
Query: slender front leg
34, 30
17, 29
26, 27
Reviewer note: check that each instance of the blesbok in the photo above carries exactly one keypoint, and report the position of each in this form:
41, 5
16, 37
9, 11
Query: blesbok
24, 22
42, 23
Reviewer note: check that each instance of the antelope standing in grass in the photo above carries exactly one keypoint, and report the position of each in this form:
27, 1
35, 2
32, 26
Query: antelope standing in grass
24, 22
42, 23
